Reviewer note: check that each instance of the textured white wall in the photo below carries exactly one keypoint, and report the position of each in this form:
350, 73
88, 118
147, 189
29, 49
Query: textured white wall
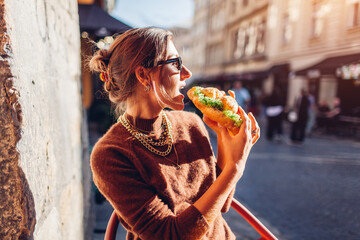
45, 43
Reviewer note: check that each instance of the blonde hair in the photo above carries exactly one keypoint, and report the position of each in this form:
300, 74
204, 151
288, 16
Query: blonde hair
136, 47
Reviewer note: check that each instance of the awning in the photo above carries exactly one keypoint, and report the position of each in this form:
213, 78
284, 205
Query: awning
329, 65
246, 76
249, 76
93, 19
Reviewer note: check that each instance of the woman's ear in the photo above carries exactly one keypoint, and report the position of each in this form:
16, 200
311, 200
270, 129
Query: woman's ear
142, 75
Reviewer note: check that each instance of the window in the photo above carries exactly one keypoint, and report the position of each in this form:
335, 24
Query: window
320, 9
354, 13
250, 40
260, 37
217, 20
239, 40
287, 29
234, 41
215, 55
234, 6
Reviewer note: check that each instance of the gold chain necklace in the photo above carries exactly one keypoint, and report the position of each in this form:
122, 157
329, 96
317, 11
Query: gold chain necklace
147, 141
164, 137
147, 132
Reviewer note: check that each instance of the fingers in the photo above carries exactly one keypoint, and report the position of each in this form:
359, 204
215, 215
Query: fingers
212, 124
255, 129
246, 124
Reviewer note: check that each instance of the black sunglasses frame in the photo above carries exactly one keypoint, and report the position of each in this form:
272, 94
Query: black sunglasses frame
178, 60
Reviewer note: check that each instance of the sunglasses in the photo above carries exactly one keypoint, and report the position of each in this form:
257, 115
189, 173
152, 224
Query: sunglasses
178, 60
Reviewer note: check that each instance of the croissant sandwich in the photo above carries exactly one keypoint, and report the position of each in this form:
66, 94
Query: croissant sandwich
217, 106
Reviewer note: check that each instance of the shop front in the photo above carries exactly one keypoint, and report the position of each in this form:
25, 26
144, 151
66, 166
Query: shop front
349, 88
335, 77
336, 81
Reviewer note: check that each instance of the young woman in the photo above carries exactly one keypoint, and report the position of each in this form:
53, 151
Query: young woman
156, 167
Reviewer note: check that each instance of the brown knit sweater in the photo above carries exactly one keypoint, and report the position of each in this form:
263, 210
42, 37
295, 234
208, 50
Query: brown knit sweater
154, 199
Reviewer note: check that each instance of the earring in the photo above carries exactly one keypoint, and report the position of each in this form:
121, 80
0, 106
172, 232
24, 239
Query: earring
147, 88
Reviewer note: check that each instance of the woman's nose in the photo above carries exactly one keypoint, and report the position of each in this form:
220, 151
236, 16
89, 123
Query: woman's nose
185, 73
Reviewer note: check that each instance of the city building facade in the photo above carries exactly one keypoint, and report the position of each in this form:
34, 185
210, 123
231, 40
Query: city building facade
198, 36
287, 44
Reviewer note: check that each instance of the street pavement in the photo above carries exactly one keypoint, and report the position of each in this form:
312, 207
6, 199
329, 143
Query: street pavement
299, 192
307, 192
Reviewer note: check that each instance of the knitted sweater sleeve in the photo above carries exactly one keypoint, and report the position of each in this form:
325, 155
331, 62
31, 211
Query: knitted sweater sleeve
137, 203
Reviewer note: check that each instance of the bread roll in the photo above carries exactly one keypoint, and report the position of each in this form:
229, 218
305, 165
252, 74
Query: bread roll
217, 106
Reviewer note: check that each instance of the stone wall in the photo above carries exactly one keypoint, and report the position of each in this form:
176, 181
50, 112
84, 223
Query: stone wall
41, 150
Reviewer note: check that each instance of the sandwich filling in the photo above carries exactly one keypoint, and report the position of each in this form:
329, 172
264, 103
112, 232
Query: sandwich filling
219, 105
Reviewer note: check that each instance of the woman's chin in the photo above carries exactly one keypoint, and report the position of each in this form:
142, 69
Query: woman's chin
177, 103
177, 106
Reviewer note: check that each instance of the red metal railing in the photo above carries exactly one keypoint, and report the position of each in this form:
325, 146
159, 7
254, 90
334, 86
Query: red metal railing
252, 220
265, 234
112, 227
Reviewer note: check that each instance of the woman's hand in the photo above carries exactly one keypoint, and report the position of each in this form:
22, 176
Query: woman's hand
233, 151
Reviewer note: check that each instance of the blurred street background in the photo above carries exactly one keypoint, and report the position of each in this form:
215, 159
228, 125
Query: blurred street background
281, 58
294, 64
302, 177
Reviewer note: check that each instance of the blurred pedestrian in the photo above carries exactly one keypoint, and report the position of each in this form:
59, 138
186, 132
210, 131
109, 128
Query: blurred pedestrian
157, 167
333, 116
242, 95
321, 116
274, 110
254, 101
312, 115
302, 103
336, 110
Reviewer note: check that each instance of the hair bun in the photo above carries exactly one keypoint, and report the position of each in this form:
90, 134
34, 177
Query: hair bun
105, 56
100, 61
